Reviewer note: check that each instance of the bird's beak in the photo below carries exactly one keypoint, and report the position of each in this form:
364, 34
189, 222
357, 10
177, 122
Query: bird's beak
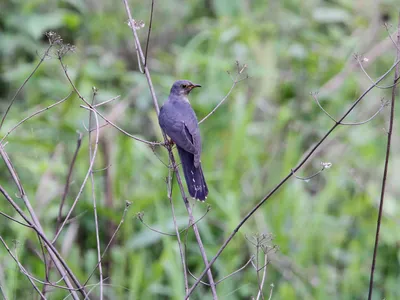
194, 86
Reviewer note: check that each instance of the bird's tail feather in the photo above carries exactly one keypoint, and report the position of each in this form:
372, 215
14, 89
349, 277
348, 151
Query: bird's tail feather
194, 177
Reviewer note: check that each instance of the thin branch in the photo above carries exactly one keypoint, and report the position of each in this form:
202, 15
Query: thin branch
287, 177
2, 293
384, 104
21, 267
385, 171
227, 276
96, 111
361, 60
235, 82
141, 56
89, 171
140, 217
270, 292
263, 277
107, 101
325, 165
181, 251
314, 95
61, 265
127, 205
96, 222
64, 196
390, 36
141, 214
148, 32
46, 53
15, 220
68, 180
32, 115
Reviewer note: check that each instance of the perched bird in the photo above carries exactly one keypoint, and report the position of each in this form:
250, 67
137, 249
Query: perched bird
179, 122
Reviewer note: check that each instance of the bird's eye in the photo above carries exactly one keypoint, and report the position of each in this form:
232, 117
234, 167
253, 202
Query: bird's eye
184, 86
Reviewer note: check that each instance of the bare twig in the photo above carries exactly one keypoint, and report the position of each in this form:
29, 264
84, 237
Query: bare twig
178, 236
361, 60
58, 260
390, 36
13, 219
148, 32
127, 205
235, 82
263, 277
271, 291
52, 42
96, 222
68, 180
287, 177
64, 196
227, 276
2, 293
89, 171
141, 214
21, 267
325, 165
32, 115
383, 104
385, 171
107, 101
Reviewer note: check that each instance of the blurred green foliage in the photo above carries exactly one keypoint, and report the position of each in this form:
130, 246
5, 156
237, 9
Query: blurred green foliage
324, 228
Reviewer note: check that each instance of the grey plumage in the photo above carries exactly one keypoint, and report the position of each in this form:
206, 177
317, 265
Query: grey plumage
179, 122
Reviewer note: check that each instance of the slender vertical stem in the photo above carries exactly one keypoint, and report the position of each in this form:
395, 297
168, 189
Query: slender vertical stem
96, 222
385, 171
178, 235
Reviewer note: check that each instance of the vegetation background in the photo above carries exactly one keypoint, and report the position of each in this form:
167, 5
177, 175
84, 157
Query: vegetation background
324, 227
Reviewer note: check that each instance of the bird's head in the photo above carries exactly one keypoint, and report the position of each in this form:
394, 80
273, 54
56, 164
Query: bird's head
183, 87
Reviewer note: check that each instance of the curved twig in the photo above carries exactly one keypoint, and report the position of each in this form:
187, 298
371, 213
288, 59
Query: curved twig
32, 115
235, 82
46, 53
81, 188
325, 165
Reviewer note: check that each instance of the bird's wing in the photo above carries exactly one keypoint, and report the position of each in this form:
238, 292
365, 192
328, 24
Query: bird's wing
175, 127
193, 132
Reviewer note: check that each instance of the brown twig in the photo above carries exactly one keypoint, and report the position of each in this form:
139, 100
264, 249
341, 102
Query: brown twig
46, 53
178, 236
149, 32
62, 267
13, 219
141, 214
235, 82
56, 257
21, 267
32, 115
261, 285
127, 205
287, 177
96, 222
89, 171
227, 276
385, 171
68, 180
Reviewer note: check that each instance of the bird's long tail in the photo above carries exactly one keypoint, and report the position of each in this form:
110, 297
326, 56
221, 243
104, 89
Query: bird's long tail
195, 181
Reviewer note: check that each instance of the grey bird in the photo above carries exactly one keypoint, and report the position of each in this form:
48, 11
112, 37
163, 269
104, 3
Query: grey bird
179, 122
